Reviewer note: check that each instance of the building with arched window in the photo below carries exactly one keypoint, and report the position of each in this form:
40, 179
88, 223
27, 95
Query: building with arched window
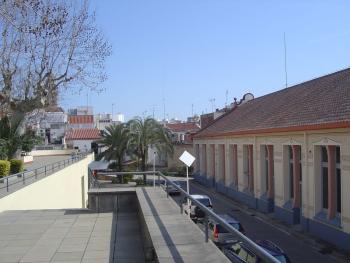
286, 153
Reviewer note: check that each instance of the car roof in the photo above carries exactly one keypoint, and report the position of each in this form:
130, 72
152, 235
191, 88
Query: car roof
200, 196
229, 219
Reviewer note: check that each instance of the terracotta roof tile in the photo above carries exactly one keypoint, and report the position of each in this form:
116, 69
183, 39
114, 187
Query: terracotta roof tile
79, 119
320, 101
183, 127
83, 134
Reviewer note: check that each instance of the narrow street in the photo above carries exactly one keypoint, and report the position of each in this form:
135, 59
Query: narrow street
298, 250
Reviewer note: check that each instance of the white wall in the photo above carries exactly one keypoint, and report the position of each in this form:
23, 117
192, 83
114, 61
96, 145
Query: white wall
81, 144
61, 190
51, 152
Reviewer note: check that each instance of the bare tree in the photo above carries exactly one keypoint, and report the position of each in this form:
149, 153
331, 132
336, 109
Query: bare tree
46, 48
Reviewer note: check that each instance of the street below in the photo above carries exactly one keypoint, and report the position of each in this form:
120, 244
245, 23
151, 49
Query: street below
256, 228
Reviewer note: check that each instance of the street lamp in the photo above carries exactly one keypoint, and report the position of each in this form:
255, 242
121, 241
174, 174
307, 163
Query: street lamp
154, 168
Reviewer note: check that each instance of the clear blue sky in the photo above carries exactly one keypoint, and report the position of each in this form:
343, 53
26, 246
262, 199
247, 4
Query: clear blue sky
189, 51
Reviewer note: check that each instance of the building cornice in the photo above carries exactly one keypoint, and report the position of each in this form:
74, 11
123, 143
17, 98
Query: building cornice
301, 128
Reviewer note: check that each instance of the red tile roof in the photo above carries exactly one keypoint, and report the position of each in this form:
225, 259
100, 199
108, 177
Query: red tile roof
83, 134
316, 104
80, 119
183, 127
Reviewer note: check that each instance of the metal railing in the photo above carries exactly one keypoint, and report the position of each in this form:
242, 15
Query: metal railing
48, 147
27, 177
256, 249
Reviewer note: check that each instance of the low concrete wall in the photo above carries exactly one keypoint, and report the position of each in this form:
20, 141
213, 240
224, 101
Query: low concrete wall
51, 152
105, 200
27, 159
66, 188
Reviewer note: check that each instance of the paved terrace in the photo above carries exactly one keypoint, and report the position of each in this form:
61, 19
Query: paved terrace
69, 236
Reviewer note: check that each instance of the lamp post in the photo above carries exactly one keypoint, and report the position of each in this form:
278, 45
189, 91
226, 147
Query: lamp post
154, 168
188, 160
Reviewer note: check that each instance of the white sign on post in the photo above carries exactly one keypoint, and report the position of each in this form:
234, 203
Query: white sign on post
187, 158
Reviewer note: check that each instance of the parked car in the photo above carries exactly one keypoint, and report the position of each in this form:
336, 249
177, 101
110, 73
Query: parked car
220, 235
238, 252
172, 190
195, 212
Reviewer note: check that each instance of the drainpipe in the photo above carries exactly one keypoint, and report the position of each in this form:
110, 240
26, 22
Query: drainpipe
306, 179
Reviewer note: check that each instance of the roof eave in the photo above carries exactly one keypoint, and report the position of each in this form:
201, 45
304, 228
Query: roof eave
321, 126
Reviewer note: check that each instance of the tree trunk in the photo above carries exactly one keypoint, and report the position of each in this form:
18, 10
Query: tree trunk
120, 169
143, 167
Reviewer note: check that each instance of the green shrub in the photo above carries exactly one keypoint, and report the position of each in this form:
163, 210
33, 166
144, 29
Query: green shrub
139, 181
17, 166
128, 178
4, 168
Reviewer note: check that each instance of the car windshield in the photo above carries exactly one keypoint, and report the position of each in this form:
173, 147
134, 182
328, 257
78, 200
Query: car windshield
204, 201
223, 230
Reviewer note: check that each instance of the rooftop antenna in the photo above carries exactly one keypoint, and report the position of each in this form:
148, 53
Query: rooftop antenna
285, 58
163, 76
163, 108
226, 94
192, 110
212, 101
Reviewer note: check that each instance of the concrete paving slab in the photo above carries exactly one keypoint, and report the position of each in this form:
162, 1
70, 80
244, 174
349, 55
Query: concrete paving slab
66, 236
67, 256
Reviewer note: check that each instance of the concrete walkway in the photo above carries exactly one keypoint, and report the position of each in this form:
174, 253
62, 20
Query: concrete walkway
174, 236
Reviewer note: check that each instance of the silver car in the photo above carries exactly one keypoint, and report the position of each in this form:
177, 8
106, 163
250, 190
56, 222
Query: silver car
172, 190
220, 235
195, 212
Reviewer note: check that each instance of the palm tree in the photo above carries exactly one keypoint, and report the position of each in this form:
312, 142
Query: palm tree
116, 139
145, 133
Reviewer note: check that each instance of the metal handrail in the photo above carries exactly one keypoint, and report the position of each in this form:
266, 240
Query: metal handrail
259, 251
25, 175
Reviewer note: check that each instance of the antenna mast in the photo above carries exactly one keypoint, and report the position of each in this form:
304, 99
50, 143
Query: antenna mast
285, 58
212, 101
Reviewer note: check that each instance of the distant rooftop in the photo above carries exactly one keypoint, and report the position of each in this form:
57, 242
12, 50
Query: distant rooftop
80, 119
183, 127
83, 134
